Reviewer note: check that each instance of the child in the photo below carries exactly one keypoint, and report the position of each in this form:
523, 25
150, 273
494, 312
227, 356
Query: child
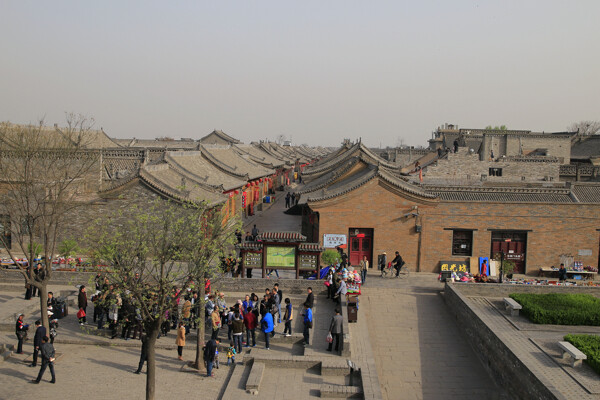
217, 357
288, 315
180, 341
231, 354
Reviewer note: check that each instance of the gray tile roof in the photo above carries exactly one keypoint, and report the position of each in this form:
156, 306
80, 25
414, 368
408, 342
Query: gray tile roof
258, 155
587, 193
357, 149
360, 178
502, 194
193, 165
585, 147
166, 180
221, 135
226, 158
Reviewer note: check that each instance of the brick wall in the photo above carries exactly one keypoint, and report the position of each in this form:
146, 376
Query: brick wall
463, 166
497, 357
554, 228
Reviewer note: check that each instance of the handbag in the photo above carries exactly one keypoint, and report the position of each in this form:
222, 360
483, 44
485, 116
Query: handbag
81, 313
329, 338
326, 283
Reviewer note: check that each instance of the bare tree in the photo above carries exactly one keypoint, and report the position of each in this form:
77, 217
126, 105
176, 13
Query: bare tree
42, 174
208, 236
585, 127
152, 249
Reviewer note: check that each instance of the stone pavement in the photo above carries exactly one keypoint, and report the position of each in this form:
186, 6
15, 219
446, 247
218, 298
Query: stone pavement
273, 218
94, 372
417, 348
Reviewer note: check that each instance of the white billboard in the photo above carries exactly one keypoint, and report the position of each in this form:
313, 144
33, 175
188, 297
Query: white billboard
331, 241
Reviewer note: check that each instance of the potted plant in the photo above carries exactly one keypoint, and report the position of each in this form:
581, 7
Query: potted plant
507, 268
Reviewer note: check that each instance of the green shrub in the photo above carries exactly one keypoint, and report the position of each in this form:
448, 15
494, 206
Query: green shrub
330, 257
590, 346
560, 308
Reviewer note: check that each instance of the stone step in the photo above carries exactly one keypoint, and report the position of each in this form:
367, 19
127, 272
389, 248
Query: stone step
340, 391
255, 378
6, 351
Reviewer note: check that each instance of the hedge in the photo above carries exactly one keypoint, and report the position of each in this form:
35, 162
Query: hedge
590, 346
560, 308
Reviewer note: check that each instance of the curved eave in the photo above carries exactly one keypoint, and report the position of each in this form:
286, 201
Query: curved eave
392, 183
155, 184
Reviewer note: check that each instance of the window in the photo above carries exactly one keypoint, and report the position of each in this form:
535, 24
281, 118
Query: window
495, 172
462, 243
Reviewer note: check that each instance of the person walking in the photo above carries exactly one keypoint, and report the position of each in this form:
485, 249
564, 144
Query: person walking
364, 267
210, 351
21, 331
82, 304
308, 323
383, 264
180, 341
267, 327
287, 200
48, 353
40, 332
288, 316
335, 330
250, 325
144, 353
255, 233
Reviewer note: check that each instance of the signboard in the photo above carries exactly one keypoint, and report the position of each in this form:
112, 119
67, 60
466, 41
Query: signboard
584, 252
279, 256
331, 241
253, 260
308, 261
514, 256
456, 266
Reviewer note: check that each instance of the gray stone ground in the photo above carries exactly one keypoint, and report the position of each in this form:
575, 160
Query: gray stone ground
404, 341
417, 347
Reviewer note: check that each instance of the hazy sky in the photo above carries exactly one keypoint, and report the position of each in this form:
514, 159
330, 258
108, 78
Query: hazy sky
318, 71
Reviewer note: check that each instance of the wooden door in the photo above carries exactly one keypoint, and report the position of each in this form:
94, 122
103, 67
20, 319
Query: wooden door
359, 247
513, 245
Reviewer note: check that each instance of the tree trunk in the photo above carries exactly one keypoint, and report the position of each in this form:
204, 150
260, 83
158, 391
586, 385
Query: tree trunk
43, 289
199, 363
151, 369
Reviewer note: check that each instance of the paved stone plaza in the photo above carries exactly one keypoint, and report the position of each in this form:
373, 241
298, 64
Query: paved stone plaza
406, 343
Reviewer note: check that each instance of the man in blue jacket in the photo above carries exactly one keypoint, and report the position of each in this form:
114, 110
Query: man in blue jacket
40, 332
267, 327
308, 322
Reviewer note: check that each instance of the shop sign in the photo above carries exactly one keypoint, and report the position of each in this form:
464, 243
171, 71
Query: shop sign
456, 266
331, 241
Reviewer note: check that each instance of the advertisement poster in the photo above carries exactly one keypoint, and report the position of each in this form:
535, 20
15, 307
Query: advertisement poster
281, 256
